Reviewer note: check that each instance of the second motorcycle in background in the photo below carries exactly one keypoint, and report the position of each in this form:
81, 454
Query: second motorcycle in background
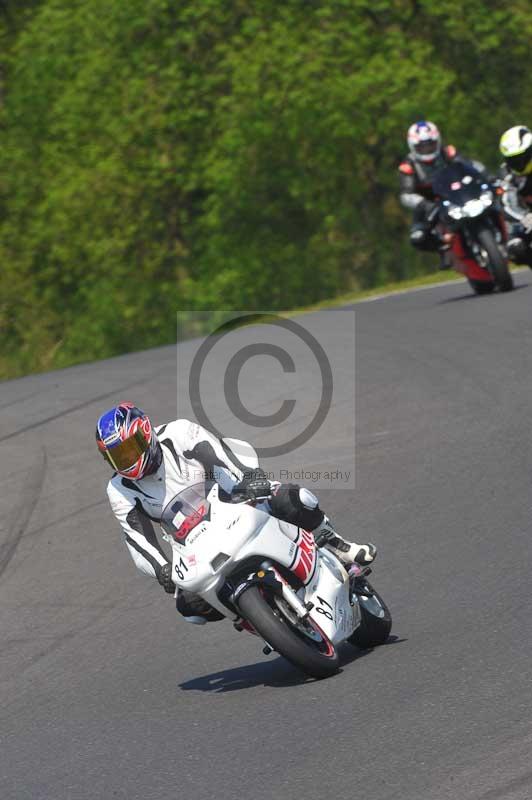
469, 218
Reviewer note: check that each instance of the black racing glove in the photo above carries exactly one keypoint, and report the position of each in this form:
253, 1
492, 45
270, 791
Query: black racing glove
165, 578
254, 485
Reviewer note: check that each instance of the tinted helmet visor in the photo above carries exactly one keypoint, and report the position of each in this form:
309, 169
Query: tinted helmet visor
520, 162
125, 455
428, 147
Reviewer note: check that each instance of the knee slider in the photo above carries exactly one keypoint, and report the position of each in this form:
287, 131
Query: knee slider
297, 505
310, 515
308, 499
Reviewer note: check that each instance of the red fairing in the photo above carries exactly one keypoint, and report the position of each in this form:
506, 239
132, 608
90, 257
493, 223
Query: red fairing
304, 563
468, 266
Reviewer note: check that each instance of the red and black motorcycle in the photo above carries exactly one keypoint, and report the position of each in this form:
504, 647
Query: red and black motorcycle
468, 215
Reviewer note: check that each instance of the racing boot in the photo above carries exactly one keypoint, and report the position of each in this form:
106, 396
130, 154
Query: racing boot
347, 552
195, 609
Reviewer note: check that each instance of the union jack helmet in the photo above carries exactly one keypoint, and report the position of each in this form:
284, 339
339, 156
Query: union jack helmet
127, 441
424, 141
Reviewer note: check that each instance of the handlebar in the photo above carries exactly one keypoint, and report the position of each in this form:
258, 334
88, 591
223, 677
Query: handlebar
241, 499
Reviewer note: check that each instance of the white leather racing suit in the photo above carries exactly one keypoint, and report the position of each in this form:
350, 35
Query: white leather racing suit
189, 453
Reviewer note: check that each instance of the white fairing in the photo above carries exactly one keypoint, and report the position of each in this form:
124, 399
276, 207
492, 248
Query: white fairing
329, 593
234, 532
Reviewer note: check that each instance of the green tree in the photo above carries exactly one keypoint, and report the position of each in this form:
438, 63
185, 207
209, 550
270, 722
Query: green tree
159, 155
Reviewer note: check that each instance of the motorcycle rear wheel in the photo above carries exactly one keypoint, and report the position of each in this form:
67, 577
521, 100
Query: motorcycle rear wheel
498, 265
315, 656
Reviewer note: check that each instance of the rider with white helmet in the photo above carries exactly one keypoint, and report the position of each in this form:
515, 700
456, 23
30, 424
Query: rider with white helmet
424, 142
426, 156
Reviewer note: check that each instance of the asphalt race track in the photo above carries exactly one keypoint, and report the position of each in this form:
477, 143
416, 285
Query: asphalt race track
107, 694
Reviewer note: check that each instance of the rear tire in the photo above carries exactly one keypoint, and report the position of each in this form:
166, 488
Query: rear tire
279, 634
498, 264
480, 287
373, 629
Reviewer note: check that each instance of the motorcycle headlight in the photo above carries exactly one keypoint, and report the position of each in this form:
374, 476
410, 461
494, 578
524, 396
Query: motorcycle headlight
455, 212
486, 198
473, 208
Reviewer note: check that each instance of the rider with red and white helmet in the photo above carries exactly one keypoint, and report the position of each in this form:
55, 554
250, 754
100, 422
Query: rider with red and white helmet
424, 142
426, 156
152, 465
127, 442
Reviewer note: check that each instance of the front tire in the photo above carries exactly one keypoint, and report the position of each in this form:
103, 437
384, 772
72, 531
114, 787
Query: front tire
318, 659
376, 622
498, 265
481, 287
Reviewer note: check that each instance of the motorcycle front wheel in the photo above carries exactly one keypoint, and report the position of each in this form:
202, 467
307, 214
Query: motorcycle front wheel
498, 265
301, 642
480, 287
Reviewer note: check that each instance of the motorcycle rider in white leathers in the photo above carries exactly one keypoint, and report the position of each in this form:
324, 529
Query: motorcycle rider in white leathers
152, 465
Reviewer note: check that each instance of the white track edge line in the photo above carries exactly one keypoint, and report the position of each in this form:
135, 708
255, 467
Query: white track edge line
414, 289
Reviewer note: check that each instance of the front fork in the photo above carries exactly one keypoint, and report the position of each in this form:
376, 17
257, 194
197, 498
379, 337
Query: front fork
494, 221
270, 578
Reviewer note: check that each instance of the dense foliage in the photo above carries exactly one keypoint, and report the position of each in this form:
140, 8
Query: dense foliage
159, 155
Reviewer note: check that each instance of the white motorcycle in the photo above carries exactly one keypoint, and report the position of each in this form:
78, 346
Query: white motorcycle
269, 578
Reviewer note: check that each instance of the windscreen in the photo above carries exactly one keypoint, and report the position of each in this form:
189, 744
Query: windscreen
186, 510
458, 183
